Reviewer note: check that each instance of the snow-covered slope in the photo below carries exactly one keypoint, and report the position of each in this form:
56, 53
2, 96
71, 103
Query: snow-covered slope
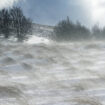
42, 30
52, 73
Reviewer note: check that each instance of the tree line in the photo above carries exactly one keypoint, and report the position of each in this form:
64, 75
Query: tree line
14, 23
67, 30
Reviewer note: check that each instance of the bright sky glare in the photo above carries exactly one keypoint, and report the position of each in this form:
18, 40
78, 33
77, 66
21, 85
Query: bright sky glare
96, 9
7, 3
88, 12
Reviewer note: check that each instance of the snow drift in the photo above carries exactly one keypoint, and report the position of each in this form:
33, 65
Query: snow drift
53, 73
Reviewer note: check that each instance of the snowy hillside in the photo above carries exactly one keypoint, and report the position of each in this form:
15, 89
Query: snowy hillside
42, 30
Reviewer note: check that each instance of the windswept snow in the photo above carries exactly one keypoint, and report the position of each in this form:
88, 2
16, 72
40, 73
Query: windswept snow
37, 40
53, 73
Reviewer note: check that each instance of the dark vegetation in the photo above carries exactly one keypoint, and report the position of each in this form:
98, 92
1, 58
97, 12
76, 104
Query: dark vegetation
66, 30
14, 23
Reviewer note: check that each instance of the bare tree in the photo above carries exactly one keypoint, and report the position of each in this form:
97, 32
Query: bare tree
5, 22
21, 25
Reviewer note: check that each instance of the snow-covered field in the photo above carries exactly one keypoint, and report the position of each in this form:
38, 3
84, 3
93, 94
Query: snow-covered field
51, 73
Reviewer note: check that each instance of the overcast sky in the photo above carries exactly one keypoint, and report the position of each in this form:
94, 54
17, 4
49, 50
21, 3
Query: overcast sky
51, 11
88, 12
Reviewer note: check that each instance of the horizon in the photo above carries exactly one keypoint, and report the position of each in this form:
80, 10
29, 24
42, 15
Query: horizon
46, 12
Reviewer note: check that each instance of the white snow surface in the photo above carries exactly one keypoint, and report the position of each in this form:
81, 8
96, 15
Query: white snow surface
52, 74
37, 40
